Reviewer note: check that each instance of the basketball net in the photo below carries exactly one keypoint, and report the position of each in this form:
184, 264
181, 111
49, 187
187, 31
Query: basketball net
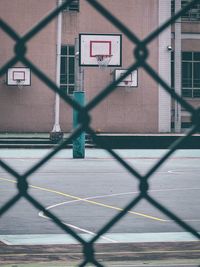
127, 83
20, 84
103, 60
128, 87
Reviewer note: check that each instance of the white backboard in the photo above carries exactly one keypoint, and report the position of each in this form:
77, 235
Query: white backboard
92, 45
130, 81
19, 74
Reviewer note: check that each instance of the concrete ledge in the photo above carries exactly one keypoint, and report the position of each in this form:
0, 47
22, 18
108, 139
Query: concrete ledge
115, 141
148, 141
173, 253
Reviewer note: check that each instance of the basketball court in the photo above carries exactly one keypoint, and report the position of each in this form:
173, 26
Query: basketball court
86, 193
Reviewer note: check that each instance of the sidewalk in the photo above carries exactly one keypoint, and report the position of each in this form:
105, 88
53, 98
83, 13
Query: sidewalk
94, 153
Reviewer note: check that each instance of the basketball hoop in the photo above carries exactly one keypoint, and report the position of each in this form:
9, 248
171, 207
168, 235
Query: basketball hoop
20, 83
127, 83
103, 60
128, 87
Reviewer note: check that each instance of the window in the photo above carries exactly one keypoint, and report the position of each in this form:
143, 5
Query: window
67, 69
190, 74
192, 14
73, 6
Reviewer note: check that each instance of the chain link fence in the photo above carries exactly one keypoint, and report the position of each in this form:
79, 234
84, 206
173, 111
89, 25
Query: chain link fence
141, 54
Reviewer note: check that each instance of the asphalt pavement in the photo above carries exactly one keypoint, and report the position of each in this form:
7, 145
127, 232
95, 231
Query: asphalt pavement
86, 194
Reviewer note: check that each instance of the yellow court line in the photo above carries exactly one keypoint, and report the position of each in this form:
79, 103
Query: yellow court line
88, 201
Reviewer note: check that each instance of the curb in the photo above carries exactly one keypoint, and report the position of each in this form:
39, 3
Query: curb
126, 253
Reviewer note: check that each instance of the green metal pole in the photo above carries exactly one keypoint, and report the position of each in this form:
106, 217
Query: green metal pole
79, 142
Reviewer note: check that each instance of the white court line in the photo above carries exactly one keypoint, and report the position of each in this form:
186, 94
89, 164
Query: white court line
41, 214
81, 199
118, 194
183, 171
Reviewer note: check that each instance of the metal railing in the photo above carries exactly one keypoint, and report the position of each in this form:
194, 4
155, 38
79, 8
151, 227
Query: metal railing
141, 55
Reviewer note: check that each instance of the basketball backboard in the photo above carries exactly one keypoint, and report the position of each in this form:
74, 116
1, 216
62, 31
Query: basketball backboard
97, 47
130, 81
19, 76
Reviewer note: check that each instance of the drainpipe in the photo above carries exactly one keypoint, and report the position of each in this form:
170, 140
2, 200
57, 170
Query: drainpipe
56, 133
177, 69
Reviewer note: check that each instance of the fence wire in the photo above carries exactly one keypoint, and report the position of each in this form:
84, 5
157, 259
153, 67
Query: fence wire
141, 54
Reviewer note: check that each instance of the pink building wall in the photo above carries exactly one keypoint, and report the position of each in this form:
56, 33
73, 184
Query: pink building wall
32, 108
29, 109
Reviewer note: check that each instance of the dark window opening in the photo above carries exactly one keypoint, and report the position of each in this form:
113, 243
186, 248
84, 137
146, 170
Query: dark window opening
193, 14
73, 6
190, 74
67, 69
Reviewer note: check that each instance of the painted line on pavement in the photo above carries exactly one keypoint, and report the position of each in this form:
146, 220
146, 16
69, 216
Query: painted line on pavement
41, 214
89, 201
78, 199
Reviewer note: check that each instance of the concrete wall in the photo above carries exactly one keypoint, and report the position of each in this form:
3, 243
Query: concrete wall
32, 109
